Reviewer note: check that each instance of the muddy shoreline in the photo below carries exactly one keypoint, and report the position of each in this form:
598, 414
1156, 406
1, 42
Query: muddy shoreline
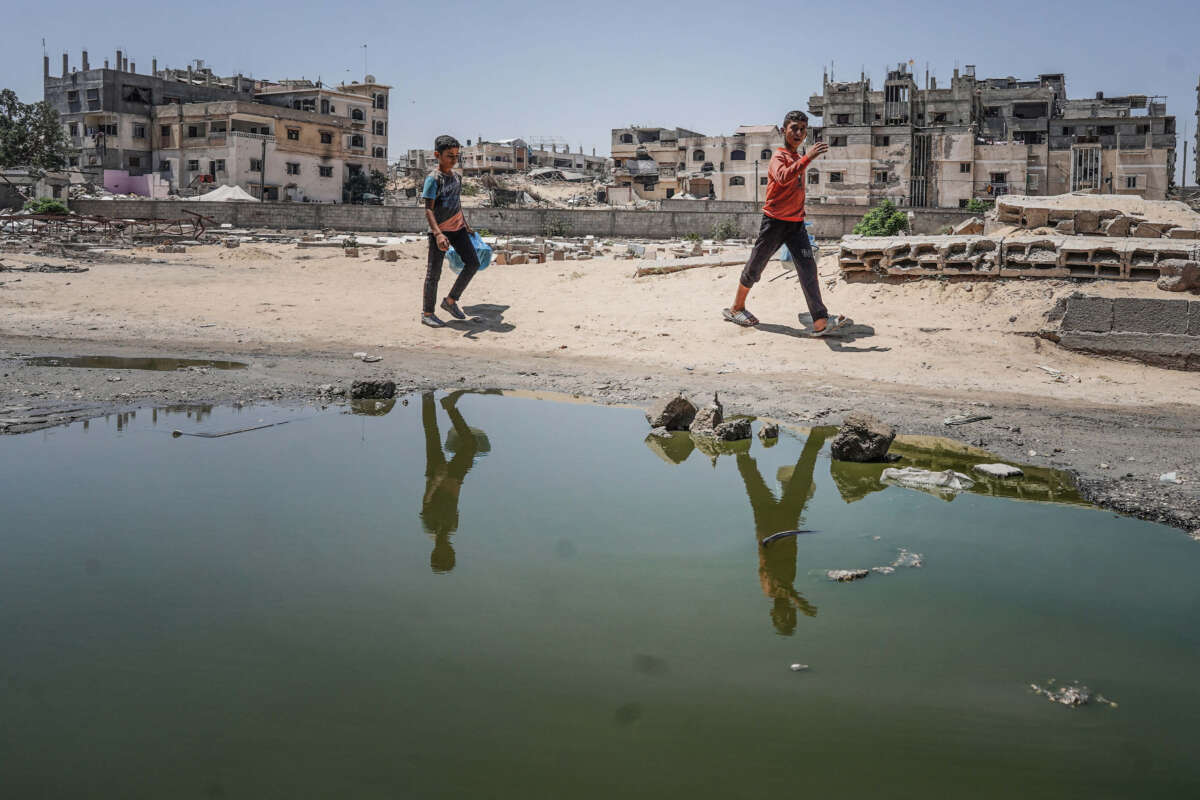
1116, 454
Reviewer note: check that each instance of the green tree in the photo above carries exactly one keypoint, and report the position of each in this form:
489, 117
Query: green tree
882, 220
31, 135
355, 187
378, 183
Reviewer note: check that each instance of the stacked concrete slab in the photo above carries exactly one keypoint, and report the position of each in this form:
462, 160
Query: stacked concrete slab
1017, 255
1165, 333
1100, 215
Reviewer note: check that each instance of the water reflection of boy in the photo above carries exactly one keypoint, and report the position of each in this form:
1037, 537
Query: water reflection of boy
777, 563
443, 479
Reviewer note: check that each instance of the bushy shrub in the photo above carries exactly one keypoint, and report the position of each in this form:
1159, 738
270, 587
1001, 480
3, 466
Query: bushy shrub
977, 206
693, 237
46, 206
725, 229
882, 220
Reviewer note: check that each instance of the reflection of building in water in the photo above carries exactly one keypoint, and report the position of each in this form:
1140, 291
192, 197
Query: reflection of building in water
443, 478
777, 563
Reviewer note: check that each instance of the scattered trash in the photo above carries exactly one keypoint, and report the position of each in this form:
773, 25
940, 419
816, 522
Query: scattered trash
799, 667
372, 359
781, 535
113, 378
177, 433
965, 419
1058, 375
1073, 695
1170, 477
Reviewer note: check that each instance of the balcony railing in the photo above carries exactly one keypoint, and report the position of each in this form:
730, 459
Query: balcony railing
256, 136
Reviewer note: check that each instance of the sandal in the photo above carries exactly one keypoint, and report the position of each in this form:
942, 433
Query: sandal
742, 317
832, 323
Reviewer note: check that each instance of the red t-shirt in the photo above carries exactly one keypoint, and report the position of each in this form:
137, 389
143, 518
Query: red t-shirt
785, 186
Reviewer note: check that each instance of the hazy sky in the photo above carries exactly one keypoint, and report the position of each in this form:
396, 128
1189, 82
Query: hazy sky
543, 69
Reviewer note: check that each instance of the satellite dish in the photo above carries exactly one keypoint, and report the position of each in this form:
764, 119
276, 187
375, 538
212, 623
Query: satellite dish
369, 79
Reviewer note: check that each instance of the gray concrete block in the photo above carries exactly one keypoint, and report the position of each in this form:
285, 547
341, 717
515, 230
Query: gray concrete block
1037, 217
1160, 350
1087, 222
1194, 318
1093, 314
1137, 315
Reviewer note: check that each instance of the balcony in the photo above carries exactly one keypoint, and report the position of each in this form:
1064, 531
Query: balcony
1032, 125
255, 136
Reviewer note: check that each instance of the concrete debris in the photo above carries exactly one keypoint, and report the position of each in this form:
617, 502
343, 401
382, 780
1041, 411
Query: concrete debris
1074, 694
674, 413
708, 418
972, 226
769, 430
846, 575
376, 389
947, 481
1179, 276
965, 419
734, 430
999, 470
1170, 477
862, 438
798, 667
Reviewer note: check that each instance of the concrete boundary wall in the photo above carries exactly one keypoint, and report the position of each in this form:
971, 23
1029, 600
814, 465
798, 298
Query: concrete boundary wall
1165, 333
828, 222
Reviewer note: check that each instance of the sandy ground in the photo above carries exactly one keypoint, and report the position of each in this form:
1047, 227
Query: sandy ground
918, 352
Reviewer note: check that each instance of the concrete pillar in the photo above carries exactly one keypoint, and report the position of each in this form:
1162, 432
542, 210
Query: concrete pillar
106, 63
45, 66
154, 66
119, 60
133, 66
189, 79
66, 68
86, 66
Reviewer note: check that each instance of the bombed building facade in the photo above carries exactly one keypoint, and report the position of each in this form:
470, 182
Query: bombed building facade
980, 138
649, 160
185, 130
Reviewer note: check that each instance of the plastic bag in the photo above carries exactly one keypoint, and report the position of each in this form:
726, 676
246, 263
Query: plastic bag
483, 252
786, 256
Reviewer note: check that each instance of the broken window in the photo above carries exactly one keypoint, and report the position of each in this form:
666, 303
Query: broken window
93, 94
73, 129
293, 134
139, 131
626, 138
765, 155
991, 112
1068, 131
194, 165
256, 165
109, 130
836, 177
380, 100
217, 166
293, 168
218, 127
73, 161
1143, 130
1131, 182
325, 172
1106, 130
670, 193
999, 177
939, 118
763, 181
837, 141
737, 180
134, 94
164, 165
380, 128
195, 131
326, 137
814, 177
697, 155
964, 167
357, 114
881, 176
164, 131
380, 152
73, 96
883, 141
841, 119
135, 162
737, 155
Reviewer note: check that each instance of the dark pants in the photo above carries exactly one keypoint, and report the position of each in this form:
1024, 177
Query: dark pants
773, 234
460, 240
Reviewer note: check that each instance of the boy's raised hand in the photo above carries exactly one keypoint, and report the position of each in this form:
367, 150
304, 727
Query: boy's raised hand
817, 149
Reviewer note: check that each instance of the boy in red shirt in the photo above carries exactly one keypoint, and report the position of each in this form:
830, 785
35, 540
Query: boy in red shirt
783, 223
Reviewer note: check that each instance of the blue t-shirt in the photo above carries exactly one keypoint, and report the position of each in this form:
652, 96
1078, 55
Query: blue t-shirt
445, 191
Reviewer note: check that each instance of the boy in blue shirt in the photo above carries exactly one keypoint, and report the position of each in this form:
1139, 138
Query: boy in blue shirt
447, 227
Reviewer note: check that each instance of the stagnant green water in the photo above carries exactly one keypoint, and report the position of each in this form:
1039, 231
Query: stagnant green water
483, 596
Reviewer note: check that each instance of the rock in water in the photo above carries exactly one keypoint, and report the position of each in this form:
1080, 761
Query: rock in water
862, 438
948, 481
769, 430
674, 414
846, 575
735, 430
708, 418
372, 390
999, 470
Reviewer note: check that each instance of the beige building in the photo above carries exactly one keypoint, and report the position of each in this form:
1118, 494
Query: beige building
285, 153
982, 138
729, 167
649, 160
506, 155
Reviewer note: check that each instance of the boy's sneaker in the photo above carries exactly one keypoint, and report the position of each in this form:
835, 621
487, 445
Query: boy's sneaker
432, 321
453, 310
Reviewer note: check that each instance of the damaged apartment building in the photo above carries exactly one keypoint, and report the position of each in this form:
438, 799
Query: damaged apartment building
187, 130
979, 138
